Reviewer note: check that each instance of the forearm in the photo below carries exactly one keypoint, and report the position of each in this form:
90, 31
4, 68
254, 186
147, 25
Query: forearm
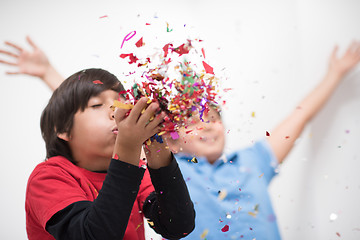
105, 218
285, 134
52, 78
170, 209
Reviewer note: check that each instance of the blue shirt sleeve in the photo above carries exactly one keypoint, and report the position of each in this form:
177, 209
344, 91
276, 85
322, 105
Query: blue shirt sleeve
261, 159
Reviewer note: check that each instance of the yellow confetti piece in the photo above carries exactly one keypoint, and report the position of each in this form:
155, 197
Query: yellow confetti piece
194, 160
161, 133
222, 194
253, 114
119, 104
148, 142
138, 226
151, 223
252, 214
204, 233
149, 101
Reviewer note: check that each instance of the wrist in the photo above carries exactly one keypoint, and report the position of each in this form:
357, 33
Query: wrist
51, 77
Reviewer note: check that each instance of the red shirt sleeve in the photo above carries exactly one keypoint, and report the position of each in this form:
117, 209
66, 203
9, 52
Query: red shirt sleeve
50, 189
146, 188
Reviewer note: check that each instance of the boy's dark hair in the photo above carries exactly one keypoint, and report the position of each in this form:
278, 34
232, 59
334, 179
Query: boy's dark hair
72, 95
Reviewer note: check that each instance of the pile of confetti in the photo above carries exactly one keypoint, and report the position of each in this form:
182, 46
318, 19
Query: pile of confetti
176, 77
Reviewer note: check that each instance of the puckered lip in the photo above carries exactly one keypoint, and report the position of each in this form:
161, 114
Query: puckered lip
115, 130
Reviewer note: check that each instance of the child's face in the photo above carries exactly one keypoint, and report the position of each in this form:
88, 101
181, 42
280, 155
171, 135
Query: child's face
202, 139
94, 132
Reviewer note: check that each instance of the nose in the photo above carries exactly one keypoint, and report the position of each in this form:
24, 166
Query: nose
112, 112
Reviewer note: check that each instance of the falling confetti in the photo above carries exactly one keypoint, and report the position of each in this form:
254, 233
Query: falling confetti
98, 82
204, 233
333, 217
176, 77
225, 228
222, 194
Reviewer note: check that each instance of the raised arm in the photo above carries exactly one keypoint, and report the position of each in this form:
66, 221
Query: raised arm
282, 138
34, 63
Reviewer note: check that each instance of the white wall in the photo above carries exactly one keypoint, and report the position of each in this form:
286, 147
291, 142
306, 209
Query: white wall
274, 53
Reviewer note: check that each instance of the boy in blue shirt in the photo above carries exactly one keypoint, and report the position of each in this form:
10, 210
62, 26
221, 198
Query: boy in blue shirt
230, 192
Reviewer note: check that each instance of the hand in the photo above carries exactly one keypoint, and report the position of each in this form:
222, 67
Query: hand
158, 154
135, 129
34, 63
342, 65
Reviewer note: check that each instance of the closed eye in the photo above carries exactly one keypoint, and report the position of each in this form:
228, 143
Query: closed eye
96, 105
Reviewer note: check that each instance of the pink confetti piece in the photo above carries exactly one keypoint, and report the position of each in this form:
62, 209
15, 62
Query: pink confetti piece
174, 135
128, 37
105, 16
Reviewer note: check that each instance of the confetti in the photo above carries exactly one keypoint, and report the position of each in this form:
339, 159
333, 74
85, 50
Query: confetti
194, 160
208, 69
222, 194
225, 228
119, 104
167, 28
267, 134
176, 78
128, 37
139, 43
333, 217
204, 233
105, 16
98, 82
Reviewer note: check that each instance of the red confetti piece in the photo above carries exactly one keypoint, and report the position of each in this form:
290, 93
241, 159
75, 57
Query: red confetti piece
225, 228
267, 134
182, 49
98, 82
203, 52
128, 37
116, 157
147, 24
139, 43
208, 68
227, 89
105, 16
338, 234
131, 56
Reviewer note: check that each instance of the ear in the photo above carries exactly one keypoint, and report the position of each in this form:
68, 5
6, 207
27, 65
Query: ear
64, 136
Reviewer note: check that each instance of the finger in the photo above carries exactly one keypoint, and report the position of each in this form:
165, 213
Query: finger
14, 46
9, 53
8, 63
120, 114
13, 73
156, 121
31, 42
138, 108
148, 114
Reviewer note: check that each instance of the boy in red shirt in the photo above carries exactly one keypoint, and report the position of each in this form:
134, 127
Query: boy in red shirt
91, 185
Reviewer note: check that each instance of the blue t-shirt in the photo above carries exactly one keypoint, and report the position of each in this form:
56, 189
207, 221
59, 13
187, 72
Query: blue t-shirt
231, 196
